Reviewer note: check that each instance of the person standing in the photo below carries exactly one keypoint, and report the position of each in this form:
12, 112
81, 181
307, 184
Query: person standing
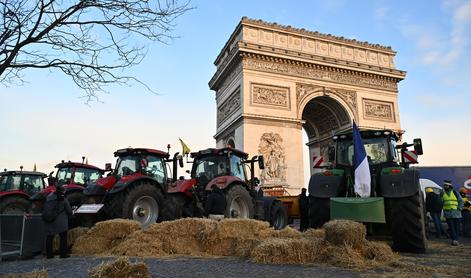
466, 213
434, 205
58, 210
215, 206
452, 205
303, 210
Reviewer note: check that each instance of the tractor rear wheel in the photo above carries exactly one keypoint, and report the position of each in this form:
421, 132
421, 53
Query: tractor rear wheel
319, 211
278, 216
239, 203
406, 219
143, 203
14, 205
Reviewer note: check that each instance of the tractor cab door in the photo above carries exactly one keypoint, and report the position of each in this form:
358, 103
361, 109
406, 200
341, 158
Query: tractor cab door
155, 168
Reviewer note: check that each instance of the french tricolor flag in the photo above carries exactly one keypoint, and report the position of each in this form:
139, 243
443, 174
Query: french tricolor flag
362, 184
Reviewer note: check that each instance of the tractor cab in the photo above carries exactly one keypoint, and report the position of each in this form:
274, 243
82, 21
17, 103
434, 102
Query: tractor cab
75, 173
16, 187
212, 163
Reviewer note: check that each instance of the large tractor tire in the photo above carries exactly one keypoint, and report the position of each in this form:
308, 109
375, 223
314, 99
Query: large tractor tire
174, 207
278, 216
239, 203
143, 203
319, 211
14, 205
406, 219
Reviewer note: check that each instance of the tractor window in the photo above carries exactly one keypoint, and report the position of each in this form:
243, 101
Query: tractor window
32, 184
127, 165
84, 175
209, 167
237, 167
10, 183
376, 150
64, 175
156, 169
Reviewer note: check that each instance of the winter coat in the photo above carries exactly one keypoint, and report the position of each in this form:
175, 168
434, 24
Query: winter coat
303, 204
215, 203
61, 224
433, 203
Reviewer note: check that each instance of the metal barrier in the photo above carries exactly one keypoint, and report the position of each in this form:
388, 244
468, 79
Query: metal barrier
21, 235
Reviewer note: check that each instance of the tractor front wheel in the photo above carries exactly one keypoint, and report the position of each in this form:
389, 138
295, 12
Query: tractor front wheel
239, 203
143, 203
406, 219
14, 205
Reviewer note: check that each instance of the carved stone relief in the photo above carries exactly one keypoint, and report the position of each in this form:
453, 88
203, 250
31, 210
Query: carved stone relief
382, 110
228, 107
267, 95
320, 73
271, 147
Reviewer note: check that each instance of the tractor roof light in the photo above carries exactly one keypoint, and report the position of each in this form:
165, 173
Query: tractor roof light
335, 137
377, 133
343, 136
387, 133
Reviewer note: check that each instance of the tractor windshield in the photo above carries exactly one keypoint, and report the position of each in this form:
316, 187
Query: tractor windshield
64, 175
377, 151
8, 183
209, 167
83, 176
32, 184
127, 165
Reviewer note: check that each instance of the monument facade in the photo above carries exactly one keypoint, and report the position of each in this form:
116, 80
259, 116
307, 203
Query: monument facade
273, 81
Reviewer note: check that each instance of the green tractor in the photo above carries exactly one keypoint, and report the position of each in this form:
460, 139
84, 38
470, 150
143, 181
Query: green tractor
395, 207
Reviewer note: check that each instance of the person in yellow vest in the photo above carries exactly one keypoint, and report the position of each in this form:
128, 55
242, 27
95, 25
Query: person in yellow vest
452, 206
466, 213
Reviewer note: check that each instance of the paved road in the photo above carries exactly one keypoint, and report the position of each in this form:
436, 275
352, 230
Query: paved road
179, 267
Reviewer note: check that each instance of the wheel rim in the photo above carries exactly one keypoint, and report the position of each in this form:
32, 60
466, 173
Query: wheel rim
239, 208
279, 221
145, 210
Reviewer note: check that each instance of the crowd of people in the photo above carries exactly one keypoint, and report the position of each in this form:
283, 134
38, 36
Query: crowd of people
455, 208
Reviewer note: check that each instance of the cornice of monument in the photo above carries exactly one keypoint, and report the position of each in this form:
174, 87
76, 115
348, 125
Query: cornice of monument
258, 23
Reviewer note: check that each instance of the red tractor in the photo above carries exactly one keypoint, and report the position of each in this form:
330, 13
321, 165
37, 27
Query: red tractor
74, 177
225, 168
16, 188
135, 189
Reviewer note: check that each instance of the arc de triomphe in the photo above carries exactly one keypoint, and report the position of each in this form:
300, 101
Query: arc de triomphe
272, 81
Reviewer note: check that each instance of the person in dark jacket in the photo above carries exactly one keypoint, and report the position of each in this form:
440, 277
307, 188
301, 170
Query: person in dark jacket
303, 210
434, 205
60, 225
215, 206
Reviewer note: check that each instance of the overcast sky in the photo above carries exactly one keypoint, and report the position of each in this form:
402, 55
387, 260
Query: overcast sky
46, 119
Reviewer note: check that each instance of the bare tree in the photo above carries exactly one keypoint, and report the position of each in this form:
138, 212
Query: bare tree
91, 41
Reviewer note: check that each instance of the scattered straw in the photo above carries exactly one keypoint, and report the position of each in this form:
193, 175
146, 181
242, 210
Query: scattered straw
72, 236
314, 233
286, 251
120, 268
33, 274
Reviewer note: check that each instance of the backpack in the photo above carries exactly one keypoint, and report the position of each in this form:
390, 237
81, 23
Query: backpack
50, 211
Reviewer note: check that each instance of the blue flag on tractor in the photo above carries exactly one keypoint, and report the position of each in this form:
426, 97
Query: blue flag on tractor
362, 184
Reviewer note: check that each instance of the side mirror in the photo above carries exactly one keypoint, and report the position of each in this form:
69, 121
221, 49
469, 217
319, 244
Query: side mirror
261, 162
418, 146
180, 161
108, 167
331, 153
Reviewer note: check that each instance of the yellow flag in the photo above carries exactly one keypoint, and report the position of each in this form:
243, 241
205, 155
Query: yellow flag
185, 148
34, 168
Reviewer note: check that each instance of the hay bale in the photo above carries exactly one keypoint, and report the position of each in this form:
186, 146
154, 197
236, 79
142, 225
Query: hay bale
287, 232
314, 233
33, 274
286, 251
102, 237
379, 251
120, 268
341, 232
72, 236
